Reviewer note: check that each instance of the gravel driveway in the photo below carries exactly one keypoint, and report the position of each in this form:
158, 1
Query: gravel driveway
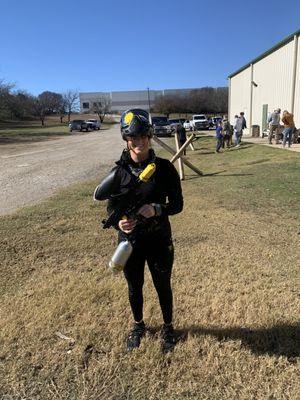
33, 171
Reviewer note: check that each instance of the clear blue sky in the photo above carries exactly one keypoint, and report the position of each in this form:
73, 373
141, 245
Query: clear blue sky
96, 45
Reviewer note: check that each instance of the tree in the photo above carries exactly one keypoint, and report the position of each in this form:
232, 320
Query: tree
202, 100
62, 109
52, 102
22, 105
101, 106
208, 100
39, 109
70, 102
5, 99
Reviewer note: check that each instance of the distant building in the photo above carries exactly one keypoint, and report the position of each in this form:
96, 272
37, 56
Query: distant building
121, 101
272, 80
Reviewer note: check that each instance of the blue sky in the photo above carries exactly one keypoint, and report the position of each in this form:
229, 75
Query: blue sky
128, 45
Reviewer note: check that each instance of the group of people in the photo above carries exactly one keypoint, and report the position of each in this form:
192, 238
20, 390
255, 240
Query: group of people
225, 132
274, 125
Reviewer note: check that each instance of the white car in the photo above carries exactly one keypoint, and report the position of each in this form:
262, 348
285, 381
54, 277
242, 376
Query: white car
199, 122
187, 125
94, 124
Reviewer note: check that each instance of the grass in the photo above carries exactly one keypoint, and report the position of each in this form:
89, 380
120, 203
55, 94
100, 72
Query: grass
34, 132
18, 131
236, 291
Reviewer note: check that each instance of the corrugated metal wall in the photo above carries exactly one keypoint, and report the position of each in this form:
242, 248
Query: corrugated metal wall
240, 94
273, 82
273, 76
297, 90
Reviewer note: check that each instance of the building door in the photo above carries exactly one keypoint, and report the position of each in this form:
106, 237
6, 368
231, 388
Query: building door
264, 124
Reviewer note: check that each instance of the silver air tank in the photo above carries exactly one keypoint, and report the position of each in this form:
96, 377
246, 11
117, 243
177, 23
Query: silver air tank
120, 257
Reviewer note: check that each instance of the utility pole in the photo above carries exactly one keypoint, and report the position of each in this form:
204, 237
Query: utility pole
148, 99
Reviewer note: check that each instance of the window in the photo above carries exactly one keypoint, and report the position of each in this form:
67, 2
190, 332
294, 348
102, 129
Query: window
85, 105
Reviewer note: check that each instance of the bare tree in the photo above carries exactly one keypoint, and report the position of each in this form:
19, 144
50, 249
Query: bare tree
202, 100
5, 99
22, 105
52, 102
208, 100
39, 109
101, 106
62, 109
70, 100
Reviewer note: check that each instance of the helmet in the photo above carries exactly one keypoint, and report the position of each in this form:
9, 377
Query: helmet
136, 122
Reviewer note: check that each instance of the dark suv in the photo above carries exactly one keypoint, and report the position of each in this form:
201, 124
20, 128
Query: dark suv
78, 125
161, 126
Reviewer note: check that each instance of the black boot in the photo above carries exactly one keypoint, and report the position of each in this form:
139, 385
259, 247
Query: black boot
135, 335
168, 338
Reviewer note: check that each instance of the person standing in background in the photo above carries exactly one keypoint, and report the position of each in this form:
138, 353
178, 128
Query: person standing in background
244, 123
238, 130
180, 129
226, 132
289, 126
219, 136
273, 121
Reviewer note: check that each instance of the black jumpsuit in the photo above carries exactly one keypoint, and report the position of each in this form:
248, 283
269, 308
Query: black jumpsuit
152, 240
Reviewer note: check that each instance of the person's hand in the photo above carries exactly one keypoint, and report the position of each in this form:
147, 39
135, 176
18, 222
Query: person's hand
147, 211
127, 225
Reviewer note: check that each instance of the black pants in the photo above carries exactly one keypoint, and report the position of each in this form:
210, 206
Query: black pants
159, 257
181, 143
219, 144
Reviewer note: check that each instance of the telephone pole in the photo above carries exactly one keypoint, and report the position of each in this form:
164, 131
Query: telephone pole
148, 99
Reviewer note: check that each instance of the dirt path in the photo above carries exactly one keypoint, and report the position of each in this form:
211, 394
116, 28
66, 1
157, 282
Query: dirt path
33, 171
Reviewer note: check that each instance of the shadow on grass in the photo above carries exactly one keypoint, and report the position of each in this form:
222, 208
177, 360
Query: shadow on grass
205, 152
242, 146
277, 340
217, 174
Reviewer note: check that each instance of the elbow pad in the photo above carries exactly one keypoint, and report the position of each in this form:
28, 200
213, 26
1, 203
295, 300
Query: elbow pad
108, 186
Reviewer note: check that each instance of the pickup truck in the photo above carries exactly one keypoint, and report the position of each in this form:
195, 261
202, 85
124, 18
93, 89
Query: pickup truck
199, 122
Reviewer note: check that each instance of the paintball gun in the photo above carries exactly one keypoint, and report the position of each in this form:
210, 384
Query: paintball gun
130, 201
128, 204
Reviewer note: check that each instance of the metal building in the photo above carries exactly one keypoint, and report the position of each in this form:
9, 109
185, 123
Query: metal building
272, 80
121, 101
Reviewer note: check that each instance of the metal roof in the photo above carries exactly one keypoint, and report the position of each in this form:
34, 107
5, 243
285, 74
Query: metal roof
266, 53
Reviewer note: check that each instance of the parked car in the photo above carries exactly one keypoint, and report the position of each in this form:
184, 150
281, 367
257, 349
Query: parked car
176, 121
78, 125
94, 124
161, 126
214, 121
187, 125
199, 121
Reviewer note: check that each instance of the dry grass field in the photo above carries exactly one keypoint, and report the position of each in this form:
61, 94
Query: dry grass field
20, 131
236, 292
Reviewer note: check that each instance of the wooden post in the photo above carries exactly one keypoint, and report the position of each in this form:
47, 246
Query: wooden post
181, 150
172, 151
191, 144
180, 163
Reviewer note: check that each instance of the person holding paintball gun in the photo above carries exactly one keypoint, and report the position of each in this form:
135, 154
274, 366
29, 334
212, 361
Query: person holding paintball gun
139, 209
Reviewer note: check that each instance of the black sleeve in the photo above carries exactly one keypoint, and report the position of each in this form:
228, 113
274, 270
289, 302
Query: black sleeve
174, 191
108, 185
111, 204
